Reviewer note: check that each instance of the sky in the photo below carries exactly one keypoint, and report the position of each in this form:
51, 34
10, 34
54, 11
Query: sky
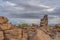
30, 11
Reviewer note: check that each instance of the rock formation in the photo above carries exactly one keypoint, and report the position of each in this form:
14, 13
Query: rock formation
1, 35
57, 27
44, 23
53, 32
8, 31
41, 35
3, 20
13, 34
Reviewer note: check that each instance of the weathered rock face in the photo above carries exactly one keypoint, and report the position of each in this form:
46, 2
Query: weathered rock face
1, 35
9, 31
28, 33
25, 35
44, 23
53, 32
41, 35
3, 20
15, 34
57, 26
6, 26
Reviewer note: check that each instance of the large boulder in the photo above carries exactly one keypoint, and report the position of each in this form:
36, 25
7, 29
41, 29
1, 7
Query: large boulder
1, 35
14, 34
57, 25
3, 20
44, 23
6, 26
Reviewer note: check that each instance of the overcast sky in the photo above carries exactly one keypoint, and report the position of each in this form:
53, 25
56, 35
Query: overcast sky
30, 11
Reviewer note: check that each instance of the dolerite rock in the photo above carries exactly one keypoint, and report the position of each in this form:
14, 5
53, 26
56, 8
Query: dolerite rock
44, 23
25, 35
6, 26
57, 27
3, 20
1, 35
14, 34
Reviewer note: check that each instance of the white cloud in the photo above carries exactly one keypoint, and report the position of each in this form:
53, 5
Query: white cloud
53, 16
54, 20
6, 8
36, 21
13, 6
10, 4
44, 6
39, 4
50, 9
21, 20
19, 8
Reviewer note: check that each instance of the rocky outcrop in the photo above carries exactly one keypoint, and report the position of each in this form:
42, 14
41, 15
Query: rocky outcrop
13, 34
6, 26
53, 32
41, 35
56, 31
57, 27
44, 23
8, 31
3, 20
1, 35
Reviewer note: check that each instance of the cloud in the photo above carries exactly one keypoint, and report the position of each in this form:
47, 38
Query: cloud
24, 9
30, 9
7, 7
34, 3
50, 10
57, 11
54, 19
21, 21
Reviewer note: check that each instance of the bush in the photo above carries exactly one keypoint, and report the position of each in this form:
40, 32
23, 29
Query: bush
22, 25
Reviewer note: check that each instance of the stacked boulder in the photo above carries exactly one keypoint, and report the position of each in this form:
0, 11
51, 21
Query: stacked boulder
44, 23
8, 31
1, 35
3, 20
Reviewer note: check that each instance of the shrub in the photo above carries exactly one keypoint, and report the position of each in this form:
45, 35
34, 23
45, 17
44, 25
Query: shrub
22, 25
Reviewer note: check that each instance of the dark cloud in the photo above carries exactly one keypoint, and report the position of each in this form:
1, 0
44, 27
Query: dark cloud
36, 15
26, 15
56, 11
28, 10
